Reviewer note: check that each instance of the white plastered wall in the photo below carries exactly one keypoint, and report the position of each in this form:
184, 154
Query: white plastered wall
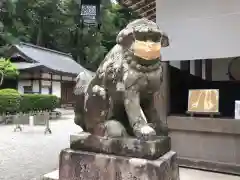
23, 83
56, 88
219, 66
35, 86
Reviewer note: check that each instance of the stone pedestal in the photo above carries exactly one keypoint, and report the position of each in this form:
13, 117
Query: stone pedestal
91, 157
150, 149
82, 165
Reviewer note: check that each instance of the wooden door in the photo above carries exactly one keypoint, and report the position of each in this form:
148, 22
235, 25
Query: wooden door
67, 95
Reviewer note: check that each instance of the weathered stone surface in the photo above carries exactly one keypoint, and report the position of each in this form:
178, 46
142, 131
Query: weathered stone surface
41, 119
130, 147
79, 165
121, 98
117, 107
22, 119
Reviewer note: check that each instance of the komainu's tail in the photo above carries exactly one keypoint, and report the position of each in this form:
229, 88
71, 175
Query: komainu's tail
82, 81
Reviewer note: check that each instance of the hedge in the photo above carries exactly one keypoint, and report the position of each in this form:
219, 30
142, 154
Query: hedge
12, 102
38, 102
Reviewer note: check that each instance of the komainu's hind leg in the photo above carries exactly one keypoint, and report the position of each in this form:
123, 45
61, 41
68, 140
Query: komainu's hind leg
95, 113
79, 111
114, 128
110, 128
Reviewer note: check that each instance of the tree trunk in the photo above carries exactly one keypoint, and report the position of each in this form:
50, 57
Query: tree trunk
2, 77
40, 33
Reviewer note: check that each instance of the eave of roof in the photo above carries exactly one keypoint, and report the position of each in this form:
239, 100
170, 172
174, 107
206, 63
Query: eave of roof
145, 8
25, 65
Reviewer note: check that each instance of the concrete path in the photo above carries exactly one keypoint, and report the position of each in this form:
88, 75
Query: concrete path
30, 154
191, 174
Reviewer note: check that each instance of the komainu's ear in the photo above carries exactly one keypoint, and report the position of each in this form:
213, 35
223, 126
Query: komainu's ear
165, 40
125, 37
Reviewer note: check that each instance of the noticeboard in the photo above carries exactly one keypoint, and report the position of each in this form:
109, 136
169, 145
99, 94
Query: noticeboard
237, 110
203, 101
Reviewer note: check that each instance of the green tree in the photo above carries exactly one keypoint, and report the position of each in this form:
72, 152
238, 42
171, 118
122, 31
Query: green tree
84, 43
40, 18
56, 24
8, 24
7, 70
114, 19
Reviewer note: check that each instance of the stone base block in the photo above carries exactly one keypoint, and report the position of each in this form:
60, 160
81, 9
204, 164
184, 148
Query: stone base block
40, 119
21, 119
80, 165
127, 146
51, 176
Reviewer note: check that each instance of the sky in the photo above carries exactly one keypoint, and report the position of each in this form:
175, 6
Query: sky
114, 1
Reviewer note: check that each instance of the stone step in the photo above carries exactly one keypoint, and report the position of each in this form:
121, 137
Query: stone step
185, 174
65, 111
51, 176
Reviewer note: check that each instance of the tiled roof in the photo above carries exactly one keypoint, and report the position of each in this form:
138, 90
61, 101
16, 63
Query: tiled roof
55, 60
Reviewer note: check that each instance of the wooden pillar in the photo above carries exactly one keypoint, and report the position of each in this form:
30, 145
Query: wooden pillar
198, 68
208, 69
32, 82
17, 80
40, 83
164, 99
61, 87
51, 84
185, 66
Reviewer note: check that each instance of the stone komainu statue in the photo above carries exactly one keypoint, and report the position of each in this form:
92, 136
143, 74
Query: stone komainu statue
119, 99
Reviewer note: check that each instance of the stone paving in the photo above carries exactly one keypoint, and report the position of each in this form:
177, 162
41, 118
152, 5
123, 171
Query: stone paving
192, 174
30, 154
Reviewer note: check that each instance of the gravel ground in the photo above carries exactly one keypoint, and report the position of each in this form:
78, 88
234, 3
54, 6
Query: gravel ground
29, 154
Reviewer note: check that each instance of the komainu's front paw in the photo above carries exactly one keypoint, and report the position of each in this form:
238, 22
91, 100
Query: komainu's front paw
145, 132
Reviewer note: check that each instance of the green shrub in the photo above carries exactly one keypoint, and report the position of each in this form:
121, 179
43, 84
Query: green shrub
12, 102
8, 69
38, 102
9, 101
